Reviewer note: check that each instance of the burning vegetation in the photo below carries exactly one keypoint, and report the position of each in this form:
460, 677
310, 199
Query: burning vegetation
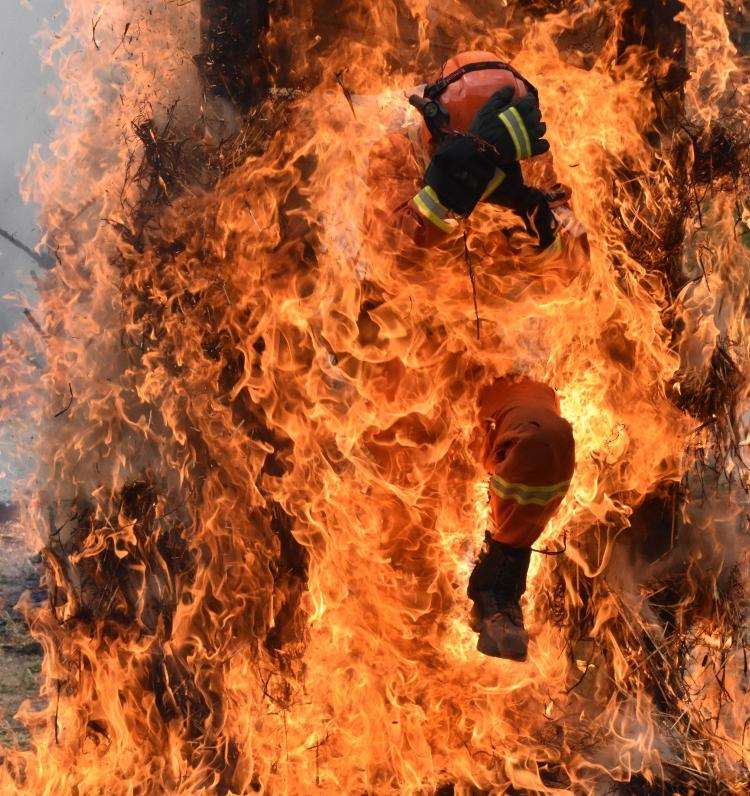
255, 491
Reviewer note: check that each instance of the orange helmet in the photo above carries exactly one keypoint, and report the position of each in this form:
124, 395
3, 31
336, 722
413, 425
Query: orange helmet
464, 84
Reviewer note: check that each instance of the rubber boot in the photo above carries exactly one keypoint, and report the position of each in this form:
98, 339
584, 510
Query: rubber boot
496, 586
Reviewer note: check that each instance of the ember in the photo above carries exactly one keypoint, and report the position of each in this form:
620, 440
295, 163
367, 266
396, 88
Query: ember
257, 493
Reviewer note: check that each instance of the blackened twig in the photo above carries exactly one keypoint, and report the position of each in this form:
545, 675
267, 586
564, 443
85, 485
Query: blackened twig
70, 402
122, 38
473, 278
94, 23
699, 256
581, 678
347, 93
57, 711
41, 261
35, 323
697, 205
560, 552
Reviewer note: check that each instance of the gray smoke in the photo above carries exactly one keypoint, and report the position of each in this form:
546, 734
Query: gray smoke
24, 105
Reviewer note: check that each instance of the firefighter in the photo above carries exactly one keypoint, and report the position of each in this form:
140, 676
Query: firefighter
481, 118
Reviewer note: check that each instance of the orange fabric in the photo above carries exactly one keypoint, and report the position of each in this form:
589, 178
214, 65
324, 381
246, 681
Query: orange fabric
527, 444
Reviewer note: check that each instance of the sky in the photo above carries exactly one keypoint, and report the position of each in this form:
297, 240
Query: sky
24, 105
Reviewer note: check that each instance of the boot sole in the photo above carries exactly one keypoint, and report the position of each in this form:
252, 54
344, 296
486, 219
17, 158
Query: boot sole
487, 647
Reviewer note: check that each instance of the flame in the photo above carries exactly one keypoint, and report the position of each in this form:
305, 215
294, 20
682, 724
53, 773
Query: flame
260, 508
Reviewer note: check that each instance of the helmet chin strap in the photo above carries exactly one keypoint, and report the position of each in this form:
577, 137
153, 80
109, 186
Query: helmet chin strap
434, 112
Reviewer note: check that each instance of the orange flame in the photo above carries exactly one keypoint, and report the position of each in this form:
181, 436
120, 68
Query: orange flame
259, 520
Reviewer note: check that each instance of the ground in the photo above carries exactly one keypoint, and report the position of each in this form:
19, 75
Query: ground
20, 655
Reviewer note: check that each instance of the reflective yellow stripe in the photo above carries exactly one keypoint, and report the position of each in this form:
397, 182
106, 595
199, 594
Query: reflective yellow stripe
430, 191
428, 213
512, 132
529, 488
432, 201
529, 501
494, 183
526, 495
524, 132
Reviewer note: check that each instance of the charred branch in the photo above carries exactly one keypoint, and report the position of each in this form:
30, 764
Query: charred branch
231, 59
41, 260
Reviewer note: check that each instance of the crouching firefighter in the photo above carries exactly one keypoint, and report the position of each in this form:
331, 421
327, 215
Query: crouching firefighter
480, 119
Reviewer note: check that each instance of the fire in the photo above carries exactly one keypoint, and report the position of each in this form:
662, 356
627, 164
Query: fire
260, 508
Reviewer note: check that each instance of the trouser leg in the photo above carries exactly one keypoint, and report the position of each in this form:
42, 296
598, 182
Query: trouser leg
529, 454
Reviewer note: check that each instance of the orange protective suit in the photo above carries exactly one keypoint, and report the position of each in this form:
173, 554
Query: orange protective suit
528, 448
529, 453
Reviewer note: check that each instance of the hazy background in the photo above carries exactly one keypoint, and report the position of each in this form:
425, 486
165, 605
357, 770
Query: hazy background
24, 106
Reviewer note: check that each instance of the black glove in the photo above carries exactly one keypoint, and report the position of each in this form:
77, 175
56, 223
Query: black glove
529, 204
514, 130
459, 173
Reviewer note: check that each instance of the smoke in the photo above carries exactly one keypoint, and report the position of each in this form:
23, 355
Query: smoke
25, 103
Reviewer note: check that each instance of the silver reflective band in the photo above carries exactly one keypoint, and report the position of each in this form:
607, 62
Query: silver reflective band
430, 206
512, 120
496, 181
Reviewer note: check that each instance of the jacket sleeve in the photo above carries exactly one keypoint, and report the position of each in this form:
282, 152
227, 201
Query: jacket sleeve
402, 211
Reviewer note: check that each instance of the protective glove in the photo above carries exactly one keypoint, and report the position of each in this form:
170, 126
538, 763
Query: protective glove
528, 203
459, 173
513, 129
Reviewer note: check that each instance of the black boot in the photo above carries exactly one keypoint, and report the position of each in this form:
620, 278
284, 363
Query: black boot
496, 586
